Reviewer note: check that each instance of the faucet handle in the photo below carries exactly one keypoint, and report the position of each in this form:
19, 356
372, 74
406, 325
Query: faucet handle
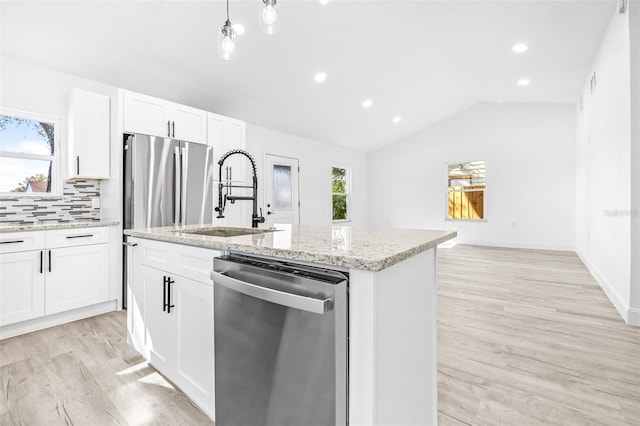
260, 218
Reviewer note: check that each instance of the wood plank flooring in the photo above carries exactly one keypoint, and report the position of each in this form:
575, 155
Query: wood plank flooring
85, 373
525, 337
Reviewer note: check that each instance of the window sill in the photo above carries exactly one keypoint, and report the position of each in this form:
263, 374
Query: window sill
465, 220
21, 195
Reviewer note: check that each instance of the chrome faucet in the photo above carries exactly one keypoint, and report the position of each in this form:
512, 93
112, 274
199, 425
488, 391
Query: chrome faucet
222, 199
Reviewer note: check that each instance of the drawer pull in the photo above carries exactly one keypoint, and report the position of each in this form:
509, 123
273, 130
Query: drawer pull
79, 236
12, 242
49, 260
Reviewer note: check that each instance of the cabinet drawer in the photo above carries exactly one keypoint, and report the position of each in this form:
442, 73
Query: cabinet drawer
77, 237
13, 242
187, 261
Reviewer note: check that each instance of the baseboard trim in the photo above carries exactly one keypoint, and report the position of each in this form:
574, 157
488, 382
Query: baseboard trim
629, 315
633, 316
36, 324
517, 244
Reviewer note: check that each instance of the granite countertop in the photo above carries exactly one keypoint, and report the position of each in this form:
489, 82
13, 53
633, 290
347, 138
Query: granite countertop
359, 248
14, 227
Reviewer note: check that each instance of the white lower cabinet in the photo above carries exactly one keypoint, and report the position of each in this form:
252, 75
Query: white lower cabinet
21, 286
170, 316
77, 277
50, 272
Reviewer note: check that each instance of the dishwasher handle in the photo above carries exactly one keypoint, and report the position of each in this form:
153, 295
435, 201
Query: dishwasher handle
292, 300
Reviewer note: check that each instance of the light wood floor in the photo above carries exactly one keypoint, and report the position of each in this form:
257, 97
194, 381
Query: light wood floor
84, 373
525, 337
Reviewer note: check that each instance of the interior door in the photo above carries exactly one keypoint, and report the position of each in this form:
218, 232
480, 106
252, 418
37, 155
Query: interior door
281, 191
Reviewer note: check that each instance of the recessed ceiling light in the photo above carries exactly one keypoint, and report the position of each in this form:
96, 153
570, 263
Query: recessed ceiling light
324, 2
239, 28
397, 119
320, 77
520, 47
523, 82
367, 103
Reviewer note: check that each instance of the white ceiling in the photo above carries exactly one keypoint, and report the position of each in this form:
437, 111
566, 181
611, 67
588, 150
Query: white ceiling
422, 60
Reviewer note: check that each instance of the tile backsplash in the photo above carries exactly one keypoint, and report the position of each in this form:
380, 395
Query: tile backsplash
73, 205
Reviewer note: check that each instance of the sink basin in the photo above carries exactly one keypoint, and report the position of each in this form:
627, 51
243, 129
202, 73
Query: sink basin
228, 232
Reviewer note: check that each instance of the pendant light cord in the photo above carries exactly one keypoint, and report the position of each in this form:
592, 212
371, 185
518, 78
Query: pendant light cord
227, 10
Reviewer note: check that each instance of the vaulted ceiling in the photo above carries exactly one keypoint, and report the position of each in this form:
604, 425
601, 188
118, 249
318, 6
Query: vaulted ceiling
420, 60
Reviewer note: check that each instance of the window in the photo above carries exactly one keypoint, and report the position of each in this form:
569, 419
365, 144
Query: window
466, 185
340, 187
28, 153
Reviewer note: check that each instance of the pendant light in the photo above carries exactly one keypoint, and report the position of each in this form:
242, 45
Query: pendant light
269, 22
227, 48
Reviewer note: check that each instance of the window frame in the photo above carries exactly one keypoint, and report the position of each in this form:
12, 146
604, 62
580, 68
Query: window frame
347, 193
447, 192
56, 169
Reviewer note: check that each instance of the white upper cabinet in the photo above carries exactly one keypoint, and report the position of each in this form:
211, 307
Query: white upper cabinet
224, 135
188, 124
146, 114
89, 135
157, 117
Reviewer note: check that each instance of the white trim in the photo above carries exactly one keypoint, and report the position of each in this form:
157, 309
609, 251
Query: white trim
35, 324
516, 244
623, 309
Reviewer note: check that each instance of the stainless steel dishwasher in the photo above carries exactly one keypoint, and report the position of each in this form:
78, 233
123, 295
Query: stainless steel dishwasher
281, 348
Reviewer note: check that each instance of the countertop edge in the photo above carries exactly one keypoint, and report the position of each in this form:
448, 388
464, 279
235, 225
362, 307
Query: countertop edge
342, 260
52, 226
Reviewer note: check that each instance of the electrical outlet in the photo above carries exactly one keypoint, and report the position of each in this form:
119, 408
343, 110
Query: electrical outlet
95, 203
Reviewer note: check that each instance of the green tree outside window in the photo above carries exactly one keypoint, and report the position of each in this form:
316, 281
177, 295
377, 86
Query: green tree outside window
340, 193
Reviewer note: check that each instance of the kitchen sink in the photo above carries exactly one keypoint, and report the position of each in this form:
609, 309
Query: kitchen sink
228, 232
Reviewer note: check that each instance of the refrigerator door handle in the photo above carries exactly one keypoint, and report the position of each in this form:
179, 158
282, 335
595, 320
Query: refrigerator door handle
177, 175
183, 180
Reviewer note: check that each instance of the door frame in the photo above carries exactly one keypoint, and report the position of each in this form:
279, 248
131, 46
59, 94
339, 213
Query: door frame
265, 155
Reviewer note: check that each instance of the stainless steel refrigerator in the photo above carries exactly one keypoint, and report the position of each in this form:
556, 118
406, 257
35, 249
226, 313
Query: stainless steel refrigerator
166, 183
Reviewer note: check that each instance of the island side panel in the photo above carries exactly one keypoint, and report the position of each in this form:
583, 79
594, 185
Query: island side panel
393, 352
362, 356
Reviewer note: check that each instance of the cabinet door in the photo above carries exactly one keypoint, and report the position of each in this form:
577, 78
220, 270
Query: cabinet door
160, 324
194, 316
188, 124
147, 115
235, 138
215, 134
76, 277
21, 286
89, 135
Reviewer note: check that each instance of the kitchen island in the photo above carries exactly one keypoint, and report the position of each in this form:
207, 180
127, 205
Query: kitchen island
392, 308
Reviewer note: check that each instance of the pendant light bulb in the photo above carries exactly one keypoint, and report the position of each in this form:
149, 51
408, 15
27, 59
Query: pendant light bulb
269, 17
226, 42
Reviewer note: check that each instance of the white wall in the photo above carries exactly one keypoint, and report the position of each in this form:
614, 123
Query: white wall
530, 157
603, 220
315, 160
